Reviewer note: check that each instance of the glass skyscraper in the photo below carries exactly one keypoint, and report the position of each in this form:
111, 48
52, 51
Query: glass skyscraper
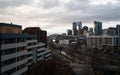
98, 27
118, 30
77, 26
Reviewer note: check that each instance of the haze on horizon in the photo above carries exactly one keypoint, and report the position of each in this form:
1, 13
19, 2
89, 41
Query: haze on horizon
56, 16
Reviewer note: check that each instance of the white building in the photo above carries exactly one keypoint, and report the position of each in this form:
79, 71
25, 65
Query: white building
100, 41
64, 42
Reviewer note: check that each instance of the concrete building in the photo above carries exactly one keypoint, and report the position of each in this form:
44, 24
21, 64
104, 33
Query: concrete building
36, 52
41, 34
100, 41
98, 28
13, 54
19, 51
13, 50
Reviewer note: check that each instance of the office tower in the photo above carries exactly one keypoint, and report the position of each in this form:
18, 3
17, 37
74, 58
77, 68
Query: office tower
69, 32
79, 27
118, 30
75, 28
98, 28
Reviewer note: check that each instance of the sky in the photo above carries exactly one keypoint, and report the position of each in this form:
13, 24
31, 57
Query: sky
56, 16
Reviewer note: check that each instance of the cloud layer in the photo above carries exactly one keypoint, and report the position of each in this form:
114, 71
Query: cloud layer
51, 14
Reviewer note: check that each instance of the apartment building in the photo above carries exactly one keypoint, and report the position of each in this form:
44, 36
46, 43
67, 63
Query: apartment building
41, 34
100, 41
19, 51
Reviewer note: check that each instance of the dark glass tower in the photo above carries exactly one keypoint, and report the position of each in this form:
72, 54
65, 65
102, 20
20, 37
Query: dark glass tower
118, 30
79, 27
98, 27
75, 29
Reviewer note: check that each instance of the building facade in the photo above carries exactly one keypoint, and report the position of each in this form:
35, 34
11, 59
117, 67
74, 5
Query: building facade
19, 51
100, 41
98, 28
77, 26
111, 31
41, 34
75, 29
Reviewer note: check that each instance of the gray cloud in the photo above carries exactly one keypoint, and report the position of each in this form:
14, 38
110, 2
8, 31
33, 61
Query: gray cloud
13, 3
75, 5
52, 13
50, 3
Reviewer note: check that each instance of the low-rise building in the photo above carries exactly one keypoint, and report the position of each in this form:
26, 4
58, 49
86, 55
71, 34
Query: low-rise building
100, 41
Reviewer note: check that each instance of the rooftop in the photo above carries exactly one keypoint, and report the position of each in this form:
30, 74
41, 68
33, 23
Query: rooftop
10, 25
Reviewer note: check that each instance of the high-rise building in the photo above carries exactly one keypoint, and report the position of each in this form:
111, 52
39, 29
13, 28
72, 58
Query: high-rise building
75, 28
69, 32
79, 27
98, 28
118, 30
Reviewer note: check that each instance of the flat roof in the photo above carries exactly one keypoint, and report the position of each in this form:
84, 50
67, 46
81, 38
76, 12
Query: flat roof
10, 25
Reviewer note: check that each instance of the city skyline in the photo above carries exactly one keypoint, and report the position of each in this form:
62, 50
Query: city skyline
56, 16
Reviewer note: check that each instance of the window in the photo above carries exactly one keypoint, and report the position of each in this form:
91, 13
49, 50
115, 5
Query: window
19, 49
8, 62
21, 57
21, 66
8, 51
9, 71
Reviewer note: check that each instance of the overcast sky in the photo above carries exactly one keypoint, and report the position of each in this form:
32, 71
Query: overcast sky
56, 16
